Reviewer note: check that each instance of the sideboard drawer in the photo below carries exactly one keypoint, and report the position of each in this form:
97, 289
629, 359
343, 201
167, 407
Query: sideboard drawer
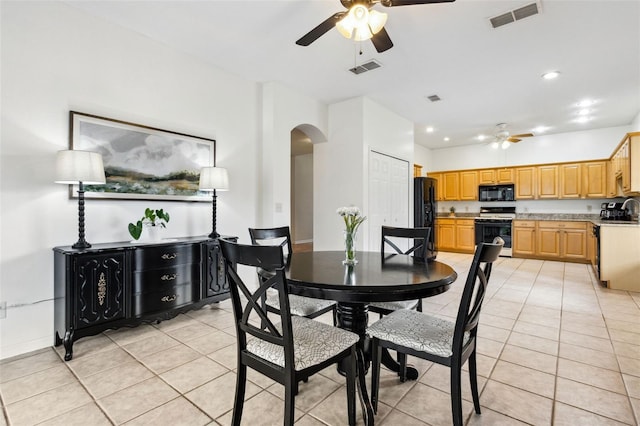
163, 278
146, 303
161, 256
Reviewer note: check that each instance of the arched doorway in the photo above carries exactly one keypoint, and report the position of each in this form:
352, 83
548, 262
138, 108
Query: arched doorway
303, 138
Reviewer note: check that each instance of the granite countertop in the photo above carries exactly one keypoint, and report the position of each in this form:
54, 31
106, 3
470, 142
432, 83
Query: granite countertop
567, 217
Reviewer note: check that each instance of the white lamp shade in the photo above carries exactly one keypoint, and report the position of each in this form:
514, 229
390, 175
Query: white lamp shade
214, 178
74, 166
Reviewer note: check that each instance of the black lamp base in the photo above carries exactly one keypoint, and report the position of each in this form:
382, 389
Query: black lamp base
214, 235
81, 244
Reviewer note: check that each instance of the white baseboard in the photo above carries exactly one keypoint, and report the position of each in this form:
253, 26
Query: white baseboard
303, 241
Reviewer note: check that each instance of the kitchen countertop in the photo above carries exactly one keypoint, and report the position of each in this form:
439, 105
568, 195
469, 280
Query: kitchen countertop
577, 217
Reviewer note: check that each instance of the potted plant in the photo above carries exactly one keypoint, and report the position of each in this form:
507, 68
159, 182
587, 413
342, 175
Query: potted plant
452, 211
153, 220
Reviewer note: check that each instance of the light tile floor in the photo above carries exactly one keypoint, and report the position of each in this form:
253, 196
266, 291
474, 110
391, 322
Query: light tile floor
554, 348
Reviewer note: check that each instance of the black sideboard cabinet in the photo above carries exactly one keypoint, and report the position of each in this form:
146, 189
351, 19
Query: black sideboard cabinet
114, 285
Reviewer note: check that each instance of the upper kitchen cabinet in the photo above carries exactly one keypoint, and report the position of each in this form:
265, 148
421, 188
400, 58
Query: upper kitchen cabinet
626, 165
438, 177
571, 180
548, 181
489, 176
525, 178
450, 186
417, 170
468, 185
594, 179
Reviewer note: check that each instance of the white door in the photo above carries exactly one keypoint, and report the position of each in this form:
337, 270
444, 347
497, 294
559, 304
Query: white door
388, 195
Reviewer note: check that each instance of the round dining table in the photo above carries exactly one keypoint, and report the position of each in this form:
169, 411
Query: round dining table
375, 278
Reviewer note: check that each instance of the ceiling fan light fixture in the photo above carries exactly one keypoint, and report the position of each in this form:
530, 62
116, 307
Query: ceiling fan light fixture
361, 23
495, 145
506, 144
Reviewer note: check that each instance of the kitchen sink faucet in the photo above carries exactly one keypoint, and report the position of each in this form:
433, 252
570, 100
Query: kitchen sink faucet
634, 212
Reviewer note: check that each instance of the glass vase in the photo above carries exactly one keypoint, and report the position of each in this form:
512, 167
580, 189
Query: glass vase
349, 248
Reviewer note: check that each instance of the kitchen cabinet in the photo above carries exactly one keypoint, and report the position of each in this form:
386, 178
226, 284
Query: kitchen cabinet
455, 234
468, 185
619, 254
594, 179
505, 175
450, 186
626, 165
417, 170
547, 181
113, 285
486, 176
525, 183
438, 177
562, 240
612, 189
465, 235
524, 238
491, 176
571, 180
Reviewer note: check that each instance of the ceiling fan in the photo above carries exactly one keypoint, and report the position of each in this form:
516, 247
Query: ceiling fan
361, 22
504, 139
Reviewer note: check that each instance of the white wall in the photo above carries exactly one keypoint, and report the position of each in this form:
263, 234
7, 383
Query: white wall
422, 156
55, 59
282, 111
356, 126
635, 125
302, 183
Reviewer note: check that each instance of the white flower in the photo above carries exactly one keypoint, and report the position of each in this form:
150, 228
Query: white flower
352, 218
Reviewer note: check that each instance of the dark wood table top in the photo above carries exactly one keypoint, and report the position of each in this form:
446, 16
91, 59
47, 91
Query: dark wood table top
374, 278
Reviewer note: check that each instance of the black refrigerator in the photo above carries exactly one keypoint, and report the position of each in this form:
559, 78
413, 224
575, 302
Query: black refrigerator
425, 208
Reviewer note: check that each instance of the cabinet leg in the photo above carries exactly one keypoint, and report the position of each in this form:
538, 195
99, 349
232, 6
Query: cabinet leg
68, 345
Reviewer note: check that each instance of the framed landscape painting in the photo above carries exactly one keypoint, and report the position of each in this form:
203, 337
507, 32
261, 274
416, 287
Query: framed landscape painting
141, 162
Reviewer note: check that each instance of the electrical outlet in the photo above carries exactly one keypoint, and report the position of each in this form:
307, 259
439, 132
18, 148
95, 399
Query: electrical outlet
3, 310
589, 207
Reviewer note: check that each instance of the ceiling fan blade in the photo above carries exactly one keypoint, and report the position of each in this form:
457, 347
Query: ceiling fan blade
318, 31
523, 135
392, 3
513, 139
381, 41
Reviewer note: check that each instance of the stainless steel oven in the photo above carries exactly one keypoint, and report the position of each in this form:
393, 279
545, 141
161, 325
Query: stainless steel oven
495, 222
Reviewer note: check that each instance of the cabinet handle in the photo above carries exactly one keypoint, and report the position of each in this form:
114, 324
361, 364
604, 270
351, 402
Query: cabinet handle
169, 256
102, 288
169, 277
169, 298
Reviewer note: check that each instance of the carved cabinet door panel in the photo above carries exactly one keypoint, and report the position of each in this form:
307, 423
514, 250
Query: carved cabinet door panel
100, 288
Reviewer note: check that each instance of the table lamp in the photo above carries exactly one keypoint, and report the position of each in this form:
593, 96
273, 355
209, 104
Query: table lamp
212, 179
81, 167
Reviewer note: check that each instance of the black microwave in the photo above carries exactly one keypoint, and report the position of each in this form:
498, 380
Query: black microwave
496, 192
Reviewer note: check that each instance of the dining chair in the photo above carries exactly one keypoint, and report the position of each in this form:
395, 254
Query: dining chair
439, 340
418, 249
301, 306
290, 350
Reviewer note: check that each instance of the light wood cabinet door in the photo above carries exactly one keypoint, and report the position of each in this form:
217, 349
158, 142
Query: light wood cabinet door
486, 176
525, 183
505, 175
524, 238
548, 181
446, 235
465, 235
574, 243
468, 185
612, 187
438, 177
450, 186
594, 178
417, 170
570, 180
548, 242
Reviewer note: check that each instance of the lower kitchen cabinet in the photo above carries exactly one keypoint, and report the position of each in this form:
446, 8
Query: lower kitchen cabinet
455, 234
109, 286
524, 238
550, 239
619, 254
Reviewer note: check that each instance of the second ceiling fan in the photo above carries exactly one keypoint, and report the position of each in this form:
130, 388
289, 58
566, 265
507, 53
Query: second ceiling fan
361, 22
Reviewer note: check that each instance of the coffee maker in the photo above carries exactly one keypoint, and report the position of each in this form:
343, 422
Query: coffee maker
613, 211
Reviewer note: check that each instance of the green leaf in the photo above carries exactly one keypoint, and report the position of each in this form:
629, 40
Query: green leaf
135, 230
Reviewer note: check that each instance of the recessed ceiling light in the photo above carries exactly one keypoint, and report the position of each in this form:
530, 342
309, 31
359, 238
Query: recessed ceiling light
481, 137
585, 103
584, 111
446, 138
583, 119
429, 129
540, 129
551, 75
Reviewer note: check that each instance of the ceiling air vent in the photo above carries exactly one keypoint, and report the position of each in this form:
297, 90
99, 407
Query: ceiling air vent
515, 15
434, 98
368, 66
